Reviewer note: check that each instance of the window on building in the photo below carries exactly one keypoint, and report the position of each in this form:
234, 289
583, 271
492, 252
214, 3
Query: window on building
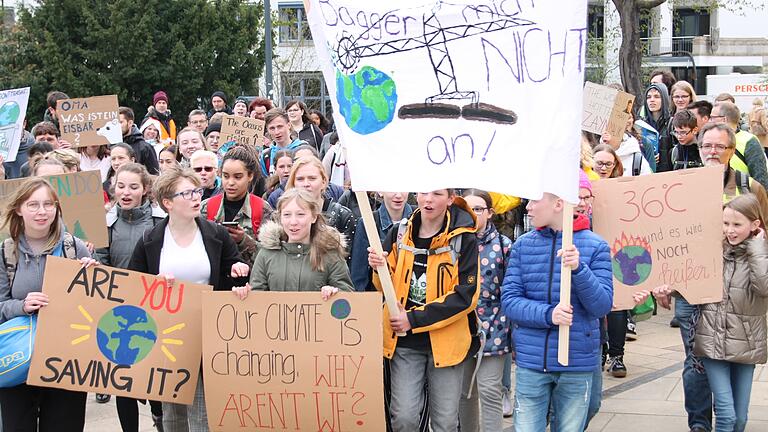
595, 21
293, 24
308, 87
687, 24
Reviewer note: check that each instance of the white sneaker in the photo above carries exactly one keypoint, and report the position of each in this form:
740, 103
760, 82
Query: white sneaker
506, 404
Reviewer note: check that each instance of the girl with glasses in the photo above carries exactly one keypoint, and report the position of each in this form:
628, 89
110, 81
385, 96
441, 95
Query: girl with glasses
482, 389
33, 216
302, 125
607, 162
187, 247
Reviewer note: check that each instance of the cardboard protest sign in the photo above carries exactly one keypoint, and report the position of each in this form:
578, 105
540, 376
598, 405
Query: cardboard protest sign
242, 130
82, 204
89, 121
663, 229
606, 109
13, 110
454, 94
280, 361
117, 332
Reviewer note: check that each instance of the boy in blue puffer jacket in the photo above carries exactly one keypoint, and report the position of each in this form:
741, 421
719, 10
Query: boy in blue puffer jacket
531, 300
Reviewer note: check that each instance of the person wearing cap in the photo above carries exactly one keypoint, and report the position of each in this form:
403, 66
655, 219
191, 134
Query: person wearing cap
212, 133
219, 104
160, 112
240, 108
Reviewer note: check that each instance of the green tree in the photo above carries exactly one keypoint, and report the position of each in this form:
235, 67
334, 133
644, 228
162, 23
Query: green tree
188, 48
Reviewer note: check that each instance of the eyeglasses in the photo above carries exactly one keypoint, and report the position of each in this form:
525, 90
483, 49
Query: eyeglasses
479, 210
35, 206
719, 147
196, 122
716, 119
189, 193
681, 97
294, 110
204, 168
586, 198
605, 164
682, 133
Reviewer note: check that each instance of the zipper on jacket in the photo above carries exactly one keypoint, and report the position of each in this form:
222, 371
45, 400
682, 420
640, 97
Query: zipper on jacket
549, 294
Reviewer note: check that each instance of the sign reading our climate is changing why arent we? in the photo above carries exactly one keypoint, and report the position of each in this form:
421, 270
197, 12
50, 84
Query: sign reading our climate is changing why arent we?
291, 361
119, 332
455, 93
663, 229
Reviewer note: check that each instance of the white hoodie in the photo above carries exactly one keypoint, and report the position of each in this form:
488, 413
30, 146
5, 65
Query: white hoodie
626, 152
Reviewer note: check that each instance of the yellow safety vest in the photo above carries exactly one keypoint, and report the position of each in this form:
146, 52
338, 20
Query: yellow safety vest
738, 160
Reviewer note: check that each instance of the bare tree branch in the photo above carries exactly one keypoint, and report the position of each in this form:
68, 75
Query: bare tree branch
649, 4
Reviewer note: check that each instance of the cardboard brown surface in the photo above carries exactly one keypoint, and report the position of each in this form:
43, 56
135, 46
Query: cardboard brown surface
670, 229
606, 109
89, 121
82, 204
75, 350
242, 130
291, 361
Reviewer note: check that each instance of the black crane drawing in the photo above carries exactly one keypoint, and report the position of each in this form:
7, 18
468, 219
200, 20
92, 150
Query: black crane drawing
435, 39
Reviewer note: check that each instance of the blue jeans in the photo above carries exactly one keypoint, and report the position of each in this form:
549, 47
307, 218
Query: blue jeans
567, 392
596, 396
698, 396
731, 385
506, 376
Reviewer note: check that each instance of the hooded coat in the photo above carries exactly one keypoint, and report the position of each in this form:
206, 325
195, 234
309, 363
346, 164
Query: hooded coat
531, 291
283, 266
627, 150
125, 228
734, 329
145, 153
662, 126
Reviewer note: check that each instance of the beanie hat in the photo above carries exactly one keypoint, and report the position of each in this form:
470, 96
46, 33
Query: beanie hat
213, 127
160, 95
220, 94
584, 181
240, 100
154, 123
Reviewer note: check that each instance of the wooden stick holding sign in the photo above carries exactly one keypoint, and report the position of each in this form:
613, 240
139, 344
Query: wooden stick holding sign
373, 238
564, 332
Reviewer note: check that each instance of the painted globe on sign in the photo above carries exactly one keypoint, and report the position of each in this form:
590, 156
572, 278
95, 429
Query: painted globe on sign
126, 335
632, 265
9, 113
367, 99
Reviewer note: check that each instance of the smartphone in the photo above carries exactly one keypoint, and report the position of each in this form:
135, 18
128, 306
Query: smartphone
230, 224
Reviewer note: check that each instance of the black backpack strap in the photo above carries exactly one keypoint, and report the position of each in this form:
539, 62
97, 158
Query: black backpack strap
741, 156
742, 183
637, 164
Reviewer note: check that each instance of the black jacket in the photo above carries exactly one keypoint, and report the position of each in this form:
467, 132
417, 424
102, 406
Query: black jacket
312, 135
145, 154
221, 249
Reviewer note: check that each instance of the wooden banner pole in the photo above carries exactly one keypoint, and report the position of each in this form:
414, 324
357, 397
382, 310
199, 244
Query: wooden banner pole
564, 335
373, 239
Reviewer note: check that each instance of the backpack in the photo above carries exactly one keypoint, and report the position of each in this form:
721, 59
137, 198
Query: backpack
454, 245
257, 208
11, 259
742, 183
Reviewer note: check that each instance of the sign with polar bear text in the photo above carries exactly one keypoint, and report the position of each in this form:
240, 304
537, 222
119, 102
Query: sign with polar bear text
291, 361
663, 229
89, 121
119, 332
81, 197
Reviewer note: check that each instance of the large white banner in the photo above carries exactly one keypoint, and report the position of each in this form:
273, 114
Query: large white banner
13, 110
430, 94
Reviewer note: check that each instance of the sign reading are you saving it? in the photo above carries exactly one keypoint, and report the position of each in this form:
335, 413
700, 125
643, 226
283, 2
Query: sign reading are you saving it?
663, 229
291, 361
119, 332
89, 121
